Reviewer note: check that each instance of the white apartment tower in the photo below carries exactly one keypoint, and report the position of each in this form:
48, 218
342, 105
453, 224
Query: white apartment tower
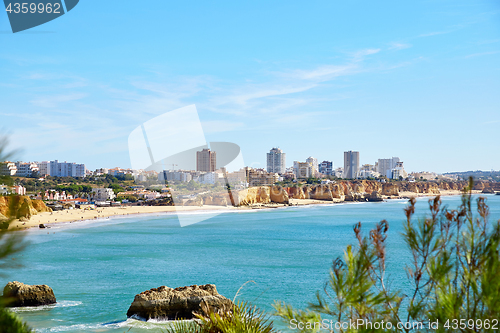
276, 161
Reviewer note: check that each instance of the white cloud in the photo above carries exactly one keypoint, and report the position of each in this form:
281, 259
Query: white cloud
363, 53
435, 33
54, 100
399, 46
326, 72
480, 54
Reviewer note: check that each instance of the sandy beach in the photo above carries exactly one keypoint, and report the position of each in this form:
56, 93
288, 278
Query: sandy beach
78, 215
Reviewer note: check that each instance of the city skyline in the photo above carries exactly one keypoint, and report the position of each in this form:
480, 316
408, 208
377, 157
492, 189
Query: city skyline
328, 86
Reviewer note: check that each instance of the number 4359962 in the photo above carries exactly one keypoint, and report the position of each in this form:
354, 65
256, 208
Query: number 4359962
33, 7
472, 324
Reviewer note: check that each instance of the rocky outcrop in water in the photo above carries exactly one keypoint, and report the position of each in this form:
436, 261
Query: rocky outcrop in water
178, 303
18, 206
17, 294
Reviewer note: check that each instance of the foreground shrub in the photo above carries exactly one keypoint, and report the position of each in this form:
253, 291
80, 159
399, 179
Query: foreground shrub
241, 318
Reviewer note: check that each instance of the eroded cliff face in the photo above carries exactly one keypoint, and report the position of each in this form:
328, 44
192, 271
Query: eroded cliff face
279, 195
18, 206
488, 187
295, 192
252, 195
342, 190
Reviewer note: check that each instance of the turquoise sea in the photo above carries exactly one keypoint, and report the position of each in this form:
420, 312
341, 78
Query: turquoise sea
96, 268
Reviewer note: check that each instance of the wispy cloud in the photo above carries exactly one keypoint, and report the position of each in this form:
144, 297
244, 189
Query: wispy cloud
360, 55
481, 54
243, 99
77, 109
399, 46
54, 100
325, 72
435, 33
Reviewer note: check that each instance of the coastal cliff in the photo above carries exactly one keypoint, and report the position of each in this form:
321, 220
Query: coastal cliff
17, 206
337, 191
344, 190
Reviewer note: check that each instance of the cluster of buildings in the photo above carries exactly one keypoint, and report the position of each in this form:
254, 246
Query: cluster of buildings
391, 168
207, 173
52, 168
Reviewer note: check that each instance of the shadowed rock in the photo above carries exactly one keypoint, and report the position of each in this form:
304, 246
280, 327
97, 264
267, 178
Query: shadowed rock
279, 194
182, 302
375, 197
18, 294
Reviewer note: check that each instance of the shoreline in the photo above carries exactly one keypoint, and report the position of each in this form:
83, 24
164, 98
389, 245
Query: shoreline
101, 214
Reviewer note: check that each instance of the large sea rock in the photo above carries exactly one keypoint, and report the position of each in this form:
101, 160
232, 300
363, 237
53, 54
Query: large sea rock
182, 302
18, 294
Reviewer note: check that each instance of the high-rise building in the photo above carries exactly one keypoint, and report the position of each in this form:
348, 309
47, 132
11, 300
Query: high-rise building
385, 166
205, 160
326, 168
314, 163
351, 164
276, 161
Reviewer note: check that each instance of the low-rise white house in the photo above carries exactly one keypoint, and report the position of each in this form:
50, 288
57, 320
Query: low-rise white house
26, 169
4, 189
103, 194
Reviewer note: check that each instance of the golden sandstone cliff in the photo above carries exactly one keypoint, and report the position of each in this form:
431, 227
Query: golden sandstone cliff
339, 191
17, 206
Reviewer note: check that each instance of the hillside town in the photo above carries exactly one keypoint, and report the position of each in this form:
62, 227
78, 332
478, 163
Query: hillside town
120, 186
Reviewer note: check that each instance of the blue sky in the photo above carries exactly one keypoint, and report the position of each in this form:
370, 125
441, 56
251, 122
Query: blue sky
414, 79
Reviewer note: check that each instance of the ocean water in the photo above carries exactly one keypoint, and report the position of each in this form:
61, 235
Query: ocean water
96, 268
